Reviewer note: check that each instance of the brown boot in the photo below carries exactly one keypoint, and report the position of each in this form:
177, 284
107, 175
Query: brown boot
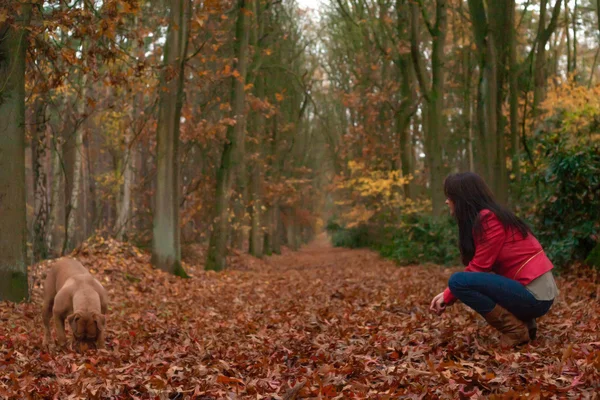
532, 327
514, 331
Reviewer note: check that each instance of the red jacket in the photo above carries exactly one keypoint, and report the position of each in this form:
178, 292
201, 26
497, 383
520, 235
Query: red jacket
505, 253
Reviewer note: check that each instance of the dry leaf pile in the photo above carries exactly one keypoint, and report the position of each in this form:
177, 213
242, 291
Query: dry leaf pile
319, 323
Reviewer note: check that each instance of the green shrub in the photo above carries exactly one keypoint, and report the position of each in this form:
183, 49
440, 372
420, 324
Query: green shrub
568, 215
416, 239
332, 226
352, 238
593, 259
423, 238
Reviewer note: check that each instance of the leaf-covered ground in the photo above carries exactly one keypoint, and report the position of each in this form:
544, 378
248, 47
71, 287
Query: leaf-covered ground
319, 323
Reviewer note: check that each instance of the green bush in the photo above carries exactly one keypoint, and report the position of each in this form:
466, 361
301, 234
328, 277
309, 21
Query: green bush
568, 214
593, 259
416, 239
352, 238
423, 238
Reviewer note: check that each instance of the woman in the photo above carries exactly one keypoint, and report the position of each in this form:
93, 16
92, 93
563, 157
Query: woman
508, 278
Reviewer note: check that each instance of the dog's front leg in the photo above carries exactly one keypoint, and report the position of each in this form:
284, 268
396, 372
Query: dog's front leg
61, 337
62, 307
100, 340
47, 316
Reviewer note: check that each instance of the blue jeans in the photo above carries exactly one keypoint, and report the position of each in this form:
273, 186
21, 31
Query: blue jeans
482, 291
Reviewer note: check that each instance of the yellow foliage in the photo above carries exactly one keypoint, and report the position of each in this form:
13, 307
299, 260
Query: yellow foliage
366, 193
366, 183
571, 96
578, 107
357, 215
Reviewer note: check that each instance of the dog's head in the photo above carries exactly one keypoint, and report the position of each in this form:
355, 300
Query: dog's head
86, 326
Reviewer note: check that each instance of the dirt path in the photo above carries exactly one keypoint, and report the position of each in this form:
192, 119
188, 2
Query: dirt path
318, 323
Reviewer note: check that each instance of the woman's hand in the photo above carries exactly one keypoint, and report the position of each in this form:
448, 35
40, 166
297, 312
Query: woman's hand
437, 304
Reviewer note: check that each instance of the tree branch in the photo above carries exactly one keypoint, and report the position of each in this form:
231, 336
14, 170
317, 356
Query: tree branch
430, 27
195, 53
552, 25
346, 13
415, 53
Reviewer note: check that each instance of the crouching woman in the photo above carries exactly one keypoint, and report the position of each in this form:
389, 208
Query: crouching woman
508, 278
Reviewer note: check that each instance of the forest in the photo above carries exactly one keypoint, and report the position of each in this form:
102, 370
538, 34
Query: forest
259, 185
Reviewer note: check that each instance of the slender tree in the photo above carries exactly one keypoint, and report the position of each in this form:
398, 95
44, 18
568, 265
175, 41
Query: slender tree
256, 167
13, 263
489, 29
217, 251
432, 87
543, 36
166, 247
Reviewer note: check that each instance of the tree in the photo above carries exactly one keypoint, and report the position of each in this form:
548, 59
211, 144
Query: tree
432, 89
408, 106
514, 91
39, 147
13, 236
231, 156
166, 247
490, 30
543, 36
256, 168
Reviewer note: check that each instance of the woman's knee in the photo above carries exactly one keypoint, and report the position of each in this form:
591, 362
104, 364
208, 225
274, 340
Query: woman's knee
458, 280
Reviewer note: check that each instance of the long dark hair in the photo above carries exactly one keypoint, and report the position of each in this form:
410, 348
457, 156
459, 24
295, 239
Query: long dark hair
470, 194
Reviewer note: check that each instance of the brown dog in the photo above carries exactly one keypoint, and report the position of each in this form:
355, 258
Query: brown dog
72, 293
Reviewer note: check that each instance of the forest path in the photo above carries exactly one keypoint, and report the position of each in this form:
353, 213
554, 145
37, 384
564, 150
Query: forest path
320, 322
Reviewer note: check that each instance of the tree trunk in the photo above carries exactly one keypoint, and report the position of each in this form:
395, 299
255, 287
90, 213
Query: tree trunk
539, 76
436, 109
166, 249
13, 236
574, 22
434, 98
268, 235
272, 242
276, 228
217, 251
493, 50
487, 89
75, 189
409, 103
568, 35
514, 94
39, 147
55, 194
290, 229
240, 199
86, 224
125, 206
92, 204
75, 194
129, 158
403, 116
471, 137
405, 153
500, 23
275, 173
255, 247
256, 182
468, 106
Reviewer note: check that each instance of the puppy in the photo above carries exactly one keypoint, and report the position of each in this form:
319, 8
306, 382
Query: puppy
71, 293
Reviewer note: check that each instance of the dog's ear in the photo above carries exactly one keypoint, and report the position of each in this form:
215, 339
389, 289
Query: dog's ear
73, 318
72, 321
100, 321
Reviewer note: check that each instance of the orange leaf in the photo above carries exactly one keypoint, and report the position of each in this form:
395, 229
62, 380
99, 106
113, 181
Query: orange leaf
228, 380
